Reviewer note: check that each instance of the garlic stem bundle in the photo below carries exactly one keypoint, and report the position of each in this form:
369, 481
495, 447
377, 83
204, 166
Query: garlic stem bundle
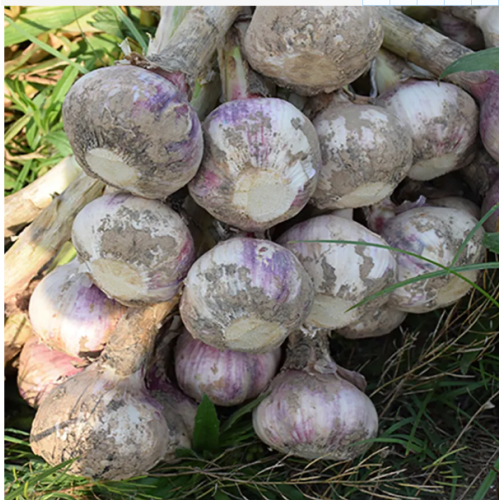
245, 295
313, 49
342, 274
41, 369
435, 233
366, 152
136, 251
70, 314
315, 408
104, 417
227, 377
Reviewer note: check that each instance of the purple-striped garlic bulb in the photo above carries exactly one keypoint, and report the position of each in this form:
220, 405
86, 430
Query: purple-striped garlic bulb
134, 130
435, 233
260, 165
366, 152
315, 408
443, 121
136, 251
463, 32
342, 274
70, 314
456, 202
245, 295
374, 323
481, 173
227, 377
490, 200
104, 417
313, 49
41, 369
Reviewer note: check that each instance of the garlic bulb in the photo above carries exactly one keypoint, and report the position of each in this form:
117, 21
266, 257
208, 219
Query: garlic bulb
481, 173
490, 200
41, 369
245, 295
228, 378
458, 203
463, 32
70, 314
342, 274
487, 21
134, 130
443, 122
104, 417
435, 233
135, 250
313, 49
366, 152
312, 411
261, 163
374, 323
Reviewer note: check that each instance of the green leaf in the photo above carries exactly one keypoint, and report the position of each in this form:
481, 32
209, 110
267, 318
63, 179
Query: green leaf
206, 427
290, 492
484, 489
59, 140
241, 412
63, 85
219, 495
490, 241
139, 38
478, 61
38, 20
8, 181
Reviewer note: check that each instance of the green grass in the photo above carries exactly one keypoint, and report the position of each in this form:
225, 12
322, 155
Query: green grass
434, 381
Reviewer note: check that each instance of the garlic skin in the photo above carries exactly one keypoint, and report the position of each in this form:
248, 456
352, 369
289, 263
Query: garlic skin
41, 369
435, 233
245, 295
117, 430
487, 21
69, 313
366, 152
458, 203
374, 323
134, 130
228, 378
314, 410
463, 32
136, 251
443, 121
313, 49
342, 274
490, 200
260, 165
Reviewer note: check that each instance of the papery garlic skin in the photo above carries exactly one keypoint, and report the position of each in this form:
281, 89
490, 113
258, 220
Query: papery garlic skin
227, 377
41, 369
134, 130
315, 416
366, 152
135, 250
458, 203
260, 165
246, 295
443, 121
435, 233
460, 31
374, 323
69, 313
117, 430
342, 274
313, 49
487, 20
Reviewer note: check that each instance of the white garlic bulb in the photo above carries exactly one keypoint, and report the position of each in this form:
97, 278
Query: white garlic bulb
374, 323
260, 165
342, 274
137, 251
245, 295
443, 121
366, 152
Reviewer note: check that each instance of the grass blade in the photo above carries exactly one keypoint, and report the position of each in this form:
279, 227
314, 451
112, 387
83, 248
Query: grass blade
132, 27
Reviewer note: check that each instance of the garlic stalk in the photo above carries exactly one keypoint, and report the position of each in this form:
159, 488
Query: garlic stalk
313, 49
342, 274
41, 369
104, 417
136, 251
261, 159
313, 409
366, 152
70, 314
227, 377
245, 295
435, 233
